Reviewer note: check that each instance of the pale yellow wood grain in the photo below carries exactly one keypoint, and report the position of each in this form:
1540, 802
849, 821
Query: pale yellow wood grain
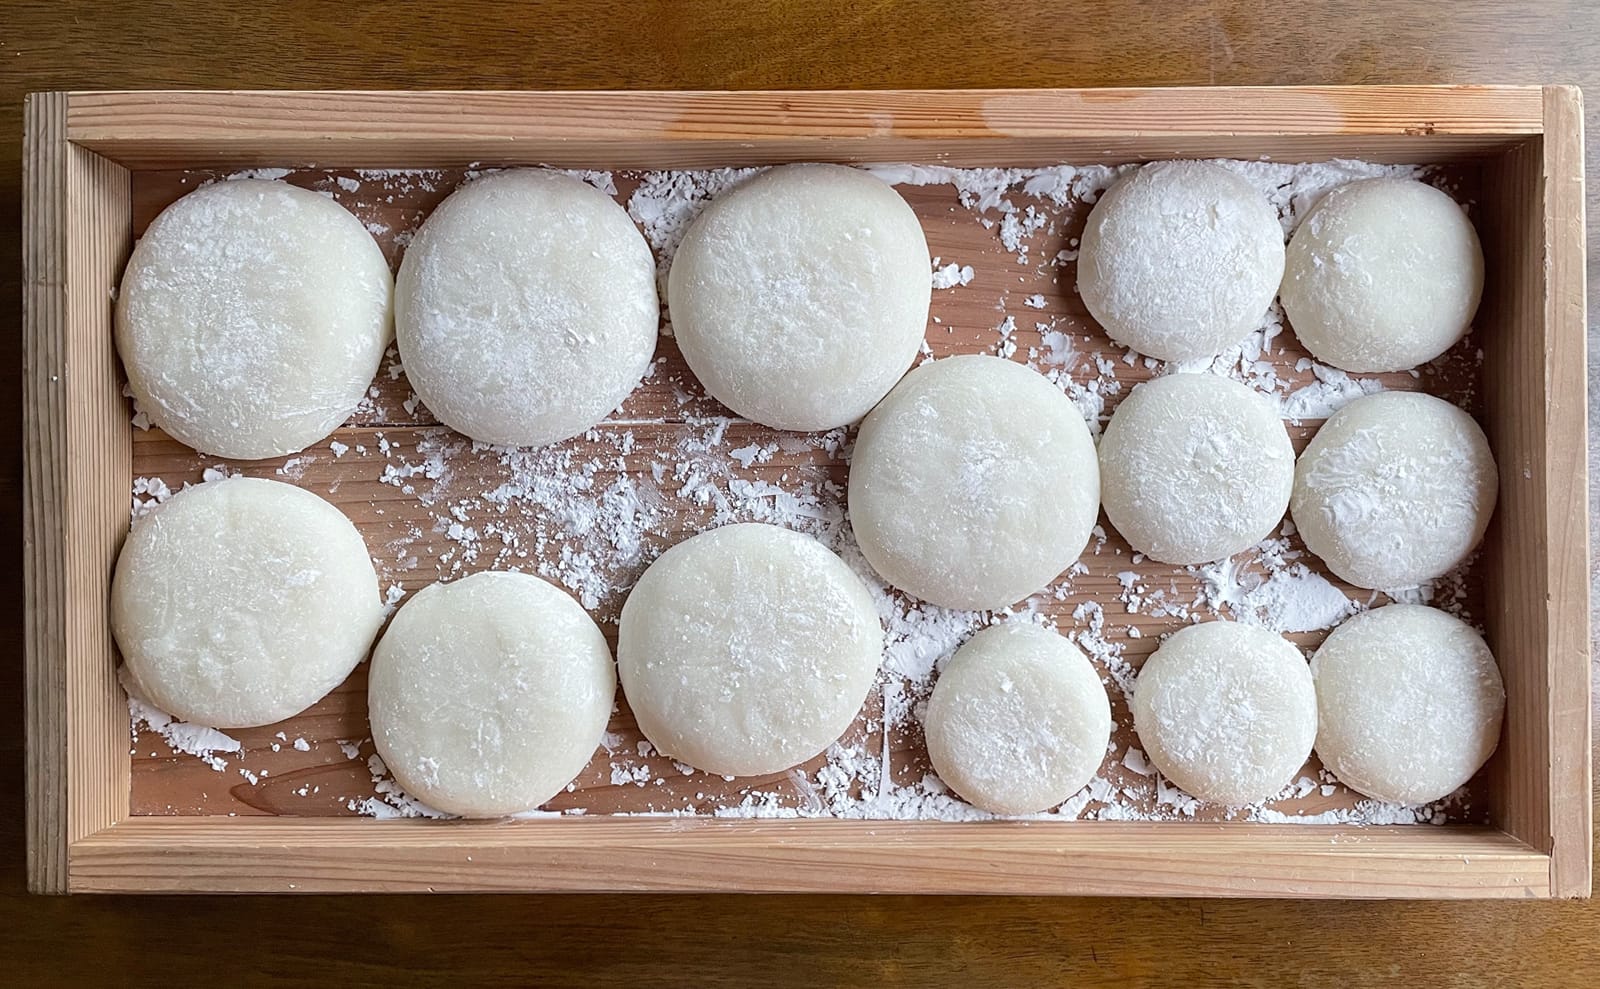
79, 468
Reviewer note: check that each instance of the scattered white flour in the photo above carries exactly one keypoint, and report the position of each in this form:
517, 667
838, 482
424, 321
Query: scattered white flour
199, 741
952, 274
1332, 390
591, 513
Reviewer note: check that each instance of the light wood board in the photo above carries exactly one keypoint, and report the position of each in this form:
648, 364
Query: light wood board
668, 410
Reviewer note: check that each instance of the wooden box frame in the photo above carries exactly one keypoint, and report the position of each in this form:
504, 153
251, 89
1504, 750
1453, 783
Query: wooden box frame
81, 147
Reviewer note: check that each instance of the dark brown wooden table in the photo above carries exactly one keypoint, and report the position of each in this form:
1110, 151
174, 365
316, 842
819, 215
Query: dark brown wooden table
745, 941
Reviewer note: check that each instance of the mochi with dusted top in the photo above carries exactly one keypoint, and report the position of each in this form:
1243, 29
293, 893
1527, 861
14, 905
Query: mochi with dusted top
1180, 260
1018, 721
251, 318
800, 297
1195, 468
974, 483
747, 649
242, 601
1396, 488
526, 308
1383, 274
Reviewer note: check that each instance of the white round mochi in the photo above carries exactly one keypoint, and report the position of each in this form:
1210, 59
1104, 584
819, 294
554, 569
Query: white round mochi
252, 317
1383, 275
526, 308
1409, 703
1180, 260
242, 602
1195, 468
1226, 711
1018, 721
747, 649
974, 483
1396, 488
490, 693
801, 297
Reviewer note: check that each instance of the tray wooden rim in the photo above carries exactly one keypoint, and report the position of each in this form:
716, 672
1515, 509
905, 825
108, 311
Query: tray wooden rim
78, 149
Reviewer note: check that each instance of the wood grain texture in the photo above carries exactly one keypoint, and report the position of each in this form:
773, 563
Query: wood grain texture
810, 940
663, 427
817, 855
145, 855
77, 778
694, 130
1563, 316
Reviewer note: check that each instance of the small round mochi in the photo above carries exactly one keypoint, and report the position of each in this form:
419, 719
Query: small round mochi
1180, 260
1409, 702
974, 483
1018, 721
1195, 468
241, 602
1382, 275
801, 297
1396, 488
1226, 711
490, 693
526, 308
252, 317
747, 649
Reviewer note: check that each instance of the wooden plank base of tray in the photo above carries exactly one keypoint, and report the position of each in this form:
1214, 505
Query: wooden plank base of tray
93, 161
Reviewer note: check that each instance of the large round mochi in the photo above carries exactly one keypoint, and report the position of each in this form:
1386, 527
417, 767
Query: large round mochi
526, 308
489, 694
1383, 275
1180, 260
1195, 467
1395, 489
1409, 703
252, 317
242, 602
1226, 711
1018, 721
747, 650
974, 483
801, 297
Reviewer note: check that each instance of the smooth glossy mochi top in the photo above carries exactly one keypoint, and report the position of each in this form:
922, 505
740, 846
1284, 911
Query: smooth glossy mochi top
252, 317
800, 297
525, 308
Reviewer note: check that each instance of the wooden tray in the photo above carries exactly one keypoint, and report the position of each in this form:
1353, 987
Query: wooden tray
100, 164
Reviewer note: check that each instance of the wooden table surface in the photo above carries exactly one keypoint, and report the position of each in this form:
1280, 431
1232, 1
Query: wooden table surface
816, 940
